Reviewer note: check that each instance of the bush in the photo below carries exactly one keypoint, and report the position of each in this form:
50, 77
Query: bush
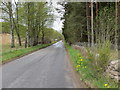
99, 56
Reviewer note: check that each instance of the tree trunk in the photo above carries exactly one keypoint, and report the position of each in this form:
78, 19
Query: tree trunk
17, 29
92, 32
96, 24
43, 36
17, 32
116, 25
28, 30
119, 28
12, 25
88, 21
12, 34
17, 25
38, 33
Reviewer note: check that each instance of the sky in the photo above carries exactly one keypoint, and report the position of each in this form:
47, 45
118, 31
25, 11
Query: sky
58, 23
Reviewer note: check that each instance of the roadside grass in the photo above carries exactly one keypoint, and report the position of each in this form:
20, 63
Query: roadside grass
17, 52
87, 71
7, 48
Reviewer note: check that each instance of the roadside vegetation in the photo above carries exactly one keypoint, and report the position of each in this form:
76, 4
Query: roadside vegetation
12, 54
91, 73
92, 29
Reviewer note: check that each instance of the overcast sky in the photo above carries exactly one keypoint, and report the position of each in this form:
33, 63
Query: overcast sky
58, 23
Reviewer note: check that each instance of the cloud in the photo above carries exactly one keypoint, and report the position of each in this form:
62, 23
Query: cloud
58, 23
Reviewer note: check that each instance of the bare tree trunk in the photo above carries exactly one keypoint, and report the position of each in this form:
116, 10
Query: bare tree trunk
17, 25
43, 34
26, 40
28, 31
88, 22
116, 24
12, 25
12, 34
119, 28
17, 32
38, 33
19, 38
92, 32
96, 25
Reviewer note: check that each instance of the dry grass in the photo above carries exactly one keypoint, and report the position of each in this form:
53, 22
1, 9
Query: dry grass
5, 43
5, 39
114, 55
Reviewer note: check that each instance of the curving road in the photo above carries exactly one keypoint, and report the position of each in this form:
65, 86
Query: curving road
46, 68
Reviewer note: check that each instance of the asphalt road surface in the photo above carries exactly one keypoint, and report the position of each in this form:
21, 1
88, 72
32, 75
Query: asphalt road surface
46, 68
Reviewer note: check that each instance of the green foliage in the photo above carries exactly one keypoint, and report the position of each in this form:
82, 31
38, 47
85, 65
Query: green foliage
87, 72
106, 24
5, 27
77, 25
75, 22
104, 54
28, 19
99, 56
20, 52
51, 35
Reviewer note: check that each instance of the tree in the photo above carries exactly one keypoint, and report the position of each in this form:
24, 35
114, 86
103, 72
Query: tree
75, 22
92, 32
88, 21
117, 22
8, 9
28, 19
16, 23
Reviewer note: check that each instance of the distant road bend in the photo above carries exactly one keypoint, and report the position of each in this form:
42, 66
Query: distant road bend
45, 68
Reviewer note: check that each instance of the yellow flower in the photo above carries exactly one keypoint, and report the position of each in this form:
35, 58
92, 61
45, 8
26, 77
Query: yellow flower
105, 85
81, 59
77, 66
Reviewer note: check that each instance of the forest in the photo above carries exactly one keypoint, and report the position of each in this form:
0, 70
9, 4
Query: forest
28, 22
92, 34
92, 22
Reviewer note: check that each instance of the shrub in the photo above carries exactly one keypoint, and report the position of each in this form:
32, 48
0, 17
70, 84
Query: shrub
99, 56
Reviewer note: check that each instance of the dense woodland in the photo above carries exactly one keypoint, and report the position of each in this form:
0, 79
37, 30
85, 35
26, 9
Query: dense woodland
28, 21
92, 22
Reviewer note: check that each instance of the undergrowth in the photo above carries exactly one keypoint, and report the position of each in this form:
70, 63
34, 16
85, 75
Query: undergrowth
88, 70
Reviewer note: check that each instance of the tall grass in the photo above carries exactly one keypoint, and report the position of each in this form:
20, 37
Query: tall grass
91, 67
99, 56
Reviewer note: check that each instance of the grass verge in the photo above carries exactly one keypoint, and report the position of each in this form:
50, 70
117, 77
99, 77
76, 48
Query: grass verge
88, 74
7, 56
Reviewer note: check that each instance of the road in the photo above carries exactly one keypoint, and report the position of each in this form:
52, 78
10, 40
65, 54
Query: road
45, 68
